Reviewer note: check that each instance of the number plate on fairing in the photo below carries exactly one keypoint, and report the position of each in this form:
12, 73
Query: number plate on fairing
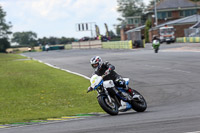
108, 84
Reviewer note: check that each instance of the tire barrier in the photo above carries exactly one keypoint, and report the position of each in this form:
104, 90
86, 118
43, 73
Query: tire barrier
188, 40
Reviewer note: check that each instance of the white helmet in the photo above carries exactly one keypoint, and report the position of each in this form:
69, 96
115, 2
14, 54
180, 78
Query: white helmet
96, 62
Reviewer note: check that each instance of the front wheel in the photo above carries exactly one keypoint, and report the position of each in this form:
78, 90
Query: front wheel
109, 107
138, 103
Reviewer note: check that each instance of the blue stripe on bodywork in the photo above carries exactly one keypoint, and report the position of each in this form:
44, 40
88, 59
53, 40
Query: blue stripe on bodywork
98, 85
127, 82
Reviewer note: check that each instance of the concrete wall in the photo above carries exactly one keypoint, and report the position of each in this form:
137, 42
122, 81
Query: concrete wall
23, 49
87, 44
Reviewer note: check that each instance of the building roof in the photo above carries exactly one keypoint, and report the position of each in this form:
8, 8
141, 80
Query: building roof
197, 25
175, 4
167, 4
136, 29
187, 20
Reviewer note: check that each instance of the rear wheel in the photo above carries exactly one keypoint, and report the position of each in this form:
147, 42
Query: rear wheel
109, 107
138, 103
156, 49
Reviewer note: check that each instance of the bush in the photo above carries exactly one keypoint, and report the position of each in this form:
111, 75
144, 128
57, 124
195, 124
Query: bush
147, 27
4, 44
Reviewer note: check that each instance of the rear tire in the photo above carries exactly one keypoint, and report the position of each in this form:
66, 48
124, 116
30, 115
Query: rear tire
139, 105
156, 50
110, 108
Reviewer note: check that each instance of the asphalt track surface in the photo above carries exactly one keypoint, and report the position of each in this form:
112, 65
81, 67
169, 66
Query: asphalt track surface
169, 80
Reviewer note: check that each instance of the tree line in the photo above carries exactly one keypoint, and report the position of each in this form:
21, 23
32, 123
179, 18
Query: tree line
29, 38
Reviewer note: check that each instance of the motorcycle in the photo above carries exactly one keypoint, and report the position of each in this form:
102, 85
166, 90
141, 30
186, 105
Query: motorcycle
113, 100
156, 45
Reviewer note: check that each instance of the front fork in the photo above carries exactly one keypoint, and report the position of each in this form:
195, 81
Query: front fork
109, 98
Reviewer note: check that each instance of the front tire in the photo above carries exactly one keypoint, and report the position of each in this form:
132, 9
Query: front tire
110, 108
138, 104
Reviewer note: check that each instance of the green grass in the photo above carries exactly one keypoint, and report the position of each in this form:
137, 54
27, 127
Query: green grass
30, 90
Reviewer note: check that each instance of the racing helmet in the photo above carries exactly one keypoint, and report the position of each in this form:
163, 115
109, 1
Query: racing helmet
96, 62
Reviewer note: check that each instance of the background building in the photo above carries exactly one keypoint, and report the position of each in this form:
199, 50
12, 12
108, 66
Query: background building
181, 14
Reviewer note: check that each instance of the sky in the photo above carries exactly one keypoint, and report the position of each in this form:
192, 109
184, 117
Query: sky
60, 18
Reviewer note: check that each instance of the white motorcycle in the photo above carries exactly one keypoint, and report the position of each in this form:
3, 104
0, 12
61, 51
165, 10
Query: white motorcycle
113, 100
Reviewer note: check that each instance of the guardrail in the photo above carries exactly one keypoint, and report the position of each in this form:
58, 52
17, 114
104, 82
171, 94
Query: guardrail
188, 39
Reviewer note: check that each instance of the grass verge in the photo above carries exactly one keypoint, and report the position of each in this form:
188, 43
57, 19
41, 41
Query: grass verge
30, 90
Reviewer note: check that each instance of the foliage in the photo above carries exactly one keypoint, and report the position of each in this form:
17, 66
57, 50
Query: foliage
130, 7
118, 30
31, 90
25, 38
151, 4
4, 44
55, 40
113, 36
30, 39
4, 31
147, 27
4, 27
111, 33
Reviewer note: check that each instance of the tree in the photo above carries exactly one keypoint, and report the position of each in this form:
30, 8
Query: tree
55, 40
25, 38
4, 31
43, 40
117, 29
147, 27
4, 44
151, 4
129, 8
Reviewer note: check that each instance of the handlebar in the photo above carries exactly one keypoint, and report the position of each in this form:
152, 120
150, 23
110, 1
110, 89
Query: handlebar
103, 76
88, 91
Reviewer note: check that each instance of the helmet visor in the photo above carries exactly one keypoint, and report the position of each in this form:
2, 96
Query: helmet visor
95, 65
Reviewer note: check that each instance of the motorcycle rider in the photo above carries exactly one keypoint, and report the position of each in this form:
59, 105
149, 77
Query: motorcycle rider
155, 37
106, 70
155, 43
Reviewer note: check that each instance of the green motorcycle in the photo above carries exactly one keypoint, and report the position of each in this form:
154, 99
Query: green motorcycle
156, 45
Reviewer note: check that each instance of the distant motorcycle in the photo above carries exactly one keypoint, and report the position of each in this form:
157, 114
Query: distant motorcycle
112, 102
156, 45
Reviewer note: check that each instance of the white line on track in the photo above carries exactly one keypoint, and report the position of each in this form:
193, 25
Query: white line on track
59, 68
